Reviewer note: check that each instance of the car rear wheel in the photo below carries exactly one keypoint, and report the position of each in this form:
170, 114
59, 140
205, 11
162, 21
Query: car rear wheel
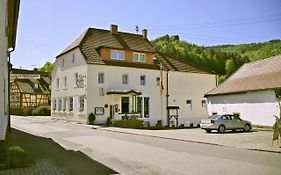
221, 129
247, 128
208, 130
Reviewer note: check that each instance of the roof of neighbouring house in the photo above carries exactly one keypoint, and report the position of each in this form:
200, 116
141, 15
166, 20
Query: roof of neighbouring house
259, 75
90, 41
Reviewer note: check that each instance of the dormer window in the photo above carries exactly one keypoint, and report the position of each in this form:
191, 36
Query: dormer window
139, 57
117, 55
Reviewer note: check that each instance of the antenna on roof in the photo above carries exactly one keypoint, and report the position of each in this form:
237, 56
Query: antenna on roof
137, 29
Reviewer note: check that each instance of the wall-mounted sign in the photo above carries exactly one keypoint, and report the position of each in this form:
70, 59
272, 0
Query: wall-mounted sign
25, 76
99, 110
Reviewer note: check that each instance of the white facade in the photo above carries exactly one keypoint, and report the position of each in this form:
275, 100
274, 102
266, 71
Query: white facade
3, 70
259, 107
183, 86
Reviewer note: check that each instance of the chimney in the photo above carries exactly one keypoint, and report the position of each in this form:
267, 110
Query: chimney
144, 33
114, 28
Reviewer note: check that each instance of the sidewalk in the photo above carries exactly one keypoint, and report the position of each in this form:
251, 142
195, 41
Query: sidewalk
259, 140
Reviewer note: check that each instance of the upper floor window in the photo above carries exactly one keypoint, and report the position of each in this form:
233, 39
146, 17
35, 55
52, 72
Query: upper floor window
125, 79
62, 63
65, 82
142, 80
117, 55
58, 83
73, 58
139, 57
189, 105
75, 79
158, 81
100, 78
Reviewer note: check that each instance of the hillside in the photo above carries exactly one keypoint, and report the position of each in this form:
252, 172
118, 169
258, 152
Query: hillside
224, 60
254, 51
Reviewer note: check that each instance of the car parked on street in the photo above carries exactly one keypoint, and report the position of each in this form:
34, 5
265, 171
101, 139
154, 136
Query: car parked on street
224, 122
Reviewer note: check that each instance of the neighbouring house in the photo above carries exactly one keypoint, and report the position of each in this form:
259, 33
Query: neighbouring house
119, 75
253, 92
29, 89
9, 10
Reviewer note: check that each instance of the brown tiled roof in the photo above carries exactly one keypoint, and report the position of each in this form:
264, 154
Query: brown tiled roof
93, 39
259, 75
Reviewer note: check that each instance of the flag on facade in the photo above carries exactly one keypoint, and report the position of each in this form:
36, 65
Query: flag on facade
276, 131
161, 79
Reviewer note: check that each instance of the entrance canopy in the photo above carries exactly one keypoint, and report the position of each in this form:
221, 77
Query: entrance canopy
123, 91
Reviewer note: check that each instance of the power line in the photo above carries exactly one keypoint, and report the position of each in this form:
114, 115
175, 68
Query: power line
225, 23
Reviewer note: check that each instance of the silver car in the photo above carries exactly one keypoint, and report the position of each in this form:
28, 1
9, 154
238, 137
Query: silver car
225, 122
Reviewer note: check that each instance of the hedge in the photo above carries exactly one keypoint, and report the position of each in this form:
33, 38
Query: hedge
137, 124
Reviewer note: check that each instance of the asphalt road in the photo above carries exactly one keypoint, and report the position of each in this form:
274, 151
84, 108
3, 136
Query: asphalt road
131, 154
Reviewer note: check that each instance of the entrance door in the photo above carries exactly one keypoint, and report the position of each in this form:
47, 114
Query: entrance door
124, 105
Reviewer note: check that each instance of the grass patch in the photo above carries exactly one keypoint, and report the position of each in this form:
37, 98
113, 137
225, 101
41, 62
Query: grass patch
69, 162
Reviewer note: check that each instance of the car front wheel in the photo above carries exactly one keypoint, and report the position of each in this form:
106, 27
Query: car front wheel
208, 130
247, 128
221, 129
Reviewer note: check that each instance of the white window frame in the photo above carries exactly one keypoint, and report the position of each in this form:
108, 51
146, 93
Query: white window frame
54, 104
75, 79
98, 78
117, 58
189, 105
57, 83
65, 82
81, 103
138, 57
73, 58
144, 80
59, 104
124, 80
70, 104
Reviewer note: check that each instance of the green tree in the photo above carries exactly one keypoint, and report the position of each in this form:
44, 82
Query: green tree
47, 67
229, 67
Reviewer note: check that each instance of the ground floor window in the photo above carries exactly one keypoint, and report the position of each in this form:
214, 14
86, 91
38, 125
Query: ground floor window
124, 105
59, 104
70, 103
146, 107
64, 104
81, 103
143, 106
54, 104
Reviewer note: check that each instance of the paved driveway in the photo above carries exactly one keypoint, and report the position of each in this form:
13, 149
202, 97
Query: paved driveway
139, 154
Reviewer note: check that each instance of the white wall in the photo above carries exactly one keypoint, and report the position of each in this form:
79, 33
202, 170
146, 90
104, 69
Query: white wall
68, 70
257, 106
3, 70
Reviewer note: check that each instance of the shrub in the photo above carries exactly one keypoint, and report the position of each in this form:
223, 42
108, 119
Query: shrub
17, 157
91, 118
136, 124
42, 111
26, 111
159, 124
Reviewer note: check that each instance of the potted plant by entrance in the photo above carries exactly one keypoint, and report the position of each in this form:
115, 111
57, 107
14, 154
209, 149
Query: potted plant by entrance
91, 118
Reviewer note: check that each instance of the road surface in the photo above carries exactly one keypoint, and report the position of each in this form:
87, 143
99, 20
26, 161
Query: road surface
133, 154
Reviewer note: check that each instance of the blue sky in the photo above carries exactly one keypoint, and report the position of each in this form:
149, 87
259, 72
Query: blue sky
46, 27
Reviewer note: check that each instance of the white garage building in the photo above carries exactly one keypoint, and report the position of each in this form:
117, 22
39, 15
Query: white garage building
253, 92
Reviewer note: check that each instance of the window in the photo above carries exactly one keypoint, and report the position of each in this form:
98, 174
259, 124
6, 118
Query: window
54, 104
142, 80
59, 104
146, 107
117, 55
139, 105
63, 104
70, 103
75, 79
158, 81
58, 83
100, 78
81, 103
62, 63
189, 105
125, 79
139, 57
33, 100
73, 58
64, 82
204, 104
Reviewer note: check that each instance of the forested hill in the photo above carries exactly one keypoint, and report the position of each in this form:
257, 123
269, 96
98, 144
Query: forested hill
254, 51
224, 60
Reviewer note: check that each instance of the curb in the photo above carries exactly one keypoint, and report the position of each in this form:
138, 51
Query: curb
191, 141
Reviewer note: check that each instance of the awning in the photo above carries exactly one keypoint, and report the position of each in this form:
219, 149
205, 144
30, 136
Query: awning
123, 91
